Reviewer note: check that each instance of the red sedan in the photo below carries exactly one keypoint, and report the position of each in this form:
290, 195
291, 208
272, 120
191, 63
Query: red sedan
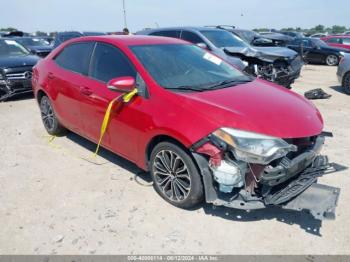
338, 41
202, 128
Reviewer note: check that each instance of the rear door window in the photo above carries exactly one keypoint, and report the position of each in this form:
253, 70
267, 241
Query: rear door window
334, 40
109, 62
76, 57
191, 37
168, 33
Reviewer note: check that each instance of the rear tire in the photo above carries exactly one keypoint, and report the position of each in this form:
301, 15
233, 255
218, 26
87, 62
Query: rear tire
48, 116
332, 60
346, 83
175, 176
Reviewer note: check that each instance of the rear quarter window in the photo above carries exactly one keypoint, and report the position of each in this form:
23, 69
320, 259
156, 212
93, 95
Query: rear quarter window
75, 57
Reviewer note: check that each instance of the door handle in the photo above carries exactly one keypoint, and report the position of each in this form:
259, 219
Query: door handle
85, 91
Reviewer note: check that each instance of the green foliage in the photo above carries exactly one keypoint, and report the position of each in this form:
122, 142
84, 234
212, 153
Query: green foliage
335, 29
8, 29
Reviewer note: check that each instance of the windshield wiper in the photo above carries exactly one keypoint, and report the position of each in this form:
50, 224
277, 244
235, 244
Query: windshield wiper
201, 88
187, 88
229, 83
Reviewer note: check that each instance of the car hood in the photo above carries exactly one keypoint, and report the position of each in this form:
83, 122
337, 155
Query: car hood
264, 53
18, 61
260, 107
277, 51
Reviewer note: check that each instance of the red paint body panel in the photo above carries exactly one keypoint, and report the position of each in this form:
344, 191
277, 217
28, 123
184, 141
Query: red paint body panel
327, 38
80, 103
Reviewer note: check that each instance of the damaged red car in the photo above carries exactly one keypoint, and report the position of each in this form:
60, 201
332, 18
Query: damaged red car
204, 130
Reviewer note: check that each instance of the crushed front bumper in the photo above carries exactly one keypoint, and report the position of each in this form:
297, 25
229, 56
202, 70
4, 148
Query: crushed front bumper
292, 184
9, 89
294, 70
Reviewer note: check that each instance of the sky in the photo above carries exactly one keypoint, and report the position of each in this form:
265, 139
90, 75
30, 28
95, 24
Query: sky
107, 15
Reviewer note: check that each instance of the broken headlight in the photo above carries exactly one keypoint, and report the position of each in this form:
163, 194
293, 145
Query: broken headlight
254, 148
2, 80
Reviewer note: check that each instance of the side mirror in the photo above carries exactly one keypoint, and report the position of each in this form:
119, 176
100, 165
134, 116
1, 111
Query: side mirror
202, 45
124, 84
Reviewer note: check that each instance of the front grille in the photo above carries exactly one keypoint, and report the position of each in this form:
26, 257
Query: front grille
27, 75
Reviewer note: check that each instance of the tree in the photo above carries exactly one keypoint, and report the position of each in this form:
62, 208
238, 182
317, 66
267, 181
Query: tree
8, 29
336, 29
319, 28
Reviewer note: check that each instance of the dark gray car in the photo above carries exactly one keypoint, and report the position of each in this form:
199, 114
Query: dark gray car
195, 36
276, 64
343, 73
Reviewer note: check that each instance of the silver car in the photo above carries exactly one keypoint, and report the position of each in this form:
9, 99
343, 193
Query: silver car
343, 73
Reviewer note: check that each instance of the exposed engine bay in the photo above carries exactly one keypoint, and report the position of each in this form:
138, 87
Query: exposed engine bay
247, 171
270, 63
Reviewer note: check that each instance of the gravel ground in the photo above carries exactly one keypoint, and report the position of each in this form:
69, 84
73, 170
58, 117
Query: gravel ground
54, 202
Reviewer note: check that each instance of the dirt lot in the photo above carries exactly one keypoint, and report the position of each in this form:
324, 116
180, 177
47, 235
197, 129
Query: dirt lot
53, 202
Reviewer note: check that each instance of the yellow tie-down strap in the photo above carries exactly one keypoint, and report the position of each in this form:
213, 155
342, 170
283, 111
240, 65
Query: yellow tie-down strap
126, 98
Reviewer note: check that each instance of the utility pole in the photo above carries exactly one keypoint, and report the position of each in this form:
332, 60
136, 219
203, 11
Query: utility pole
124, 12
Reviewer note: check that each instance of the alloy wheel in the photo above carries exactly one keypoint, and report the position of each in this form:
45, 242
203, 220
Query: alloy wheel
332, 60
346, 83
172, 175
47, 114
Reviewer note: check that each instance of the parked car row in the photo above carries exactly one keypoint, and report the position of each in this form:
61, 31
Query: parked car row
18, 55
275, 56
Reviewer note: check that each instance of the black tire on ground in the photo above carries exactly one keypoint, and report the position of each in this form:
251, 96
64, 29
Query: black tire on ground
48, 116
346, 83
332, 60
175, 176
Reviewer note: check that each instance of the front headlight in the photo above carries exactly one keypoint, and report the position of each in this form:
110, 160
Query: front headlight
254, 148
342, 53
2, 81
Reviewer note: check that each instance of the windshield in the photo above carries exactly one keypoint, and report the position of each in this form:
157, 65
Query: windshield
247, 35
32, 42
186, 67
12, 48
221, 38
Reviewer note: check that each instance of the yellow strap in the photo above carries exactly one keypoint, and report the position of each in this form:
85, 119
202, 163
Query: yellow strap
126, 98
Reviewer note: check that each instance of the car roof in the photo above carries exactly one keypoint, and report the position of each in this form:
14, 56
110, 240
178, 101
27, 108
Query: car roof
130, 40
338, 36
189, 28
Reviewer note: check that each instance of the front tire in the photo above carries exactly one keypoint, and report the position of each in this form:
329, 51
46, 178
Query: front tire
332, 60
48, 116
175, 176
346, 83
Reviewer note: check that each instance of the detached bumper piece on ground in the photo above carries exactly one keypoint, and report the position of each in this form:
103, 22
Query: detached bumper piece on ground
289, 182
317, 94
